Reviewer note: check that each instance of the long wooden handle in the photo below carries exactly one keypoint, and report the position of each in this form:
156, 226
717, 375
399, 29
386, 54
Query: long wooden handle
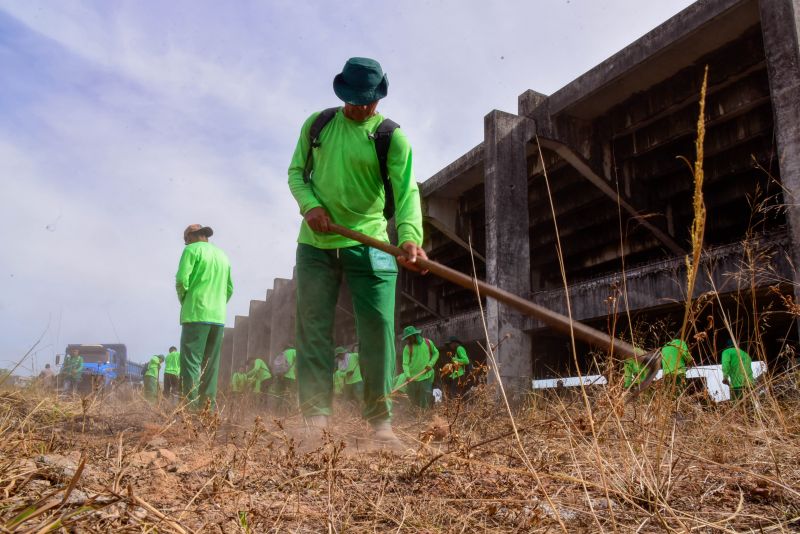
550, 318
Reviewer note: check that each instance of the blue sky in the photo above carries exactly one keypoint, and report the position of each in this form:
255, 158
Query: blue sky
121, 122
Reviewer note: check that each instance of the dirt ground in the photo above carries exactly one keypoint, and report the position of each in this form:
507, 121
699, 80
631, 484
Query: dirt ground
574, 464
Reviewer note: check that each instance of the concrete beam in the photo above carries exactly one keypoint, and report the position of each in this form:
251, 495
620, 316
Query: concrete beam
585, 170
505, 143
284, 304
780, 23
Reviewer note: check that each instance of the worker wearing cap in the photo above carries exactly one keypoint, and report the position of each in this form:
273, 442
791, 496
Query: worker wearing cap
151, 377
346, 187
674, 357
204, 287
737, 369
172, 373
454, 378
419, 359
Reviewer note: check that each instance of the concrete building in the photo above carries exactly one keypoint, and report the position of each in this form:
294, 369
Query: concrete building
601, 159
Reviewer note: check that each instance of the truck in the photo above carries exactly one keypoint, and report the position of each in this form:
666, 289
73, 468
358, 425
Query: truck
105, 364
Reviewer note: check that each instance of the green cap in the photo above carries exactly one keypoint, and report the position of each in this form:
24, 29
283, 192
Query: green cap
410, 331
361, 82
340, 350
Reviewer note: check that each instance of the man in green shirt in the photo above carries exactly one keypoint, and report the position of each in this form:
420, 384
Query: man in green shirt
419, 360
353, 381
457, 365
256, 376
283, 388
346, 187
204, 287
634, 372
674, 357
151, 378
172, 373
737, 370
71, 371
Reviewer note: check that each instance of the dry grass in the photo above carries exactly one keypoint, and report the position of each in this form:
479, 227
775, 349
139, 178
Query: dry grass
122, 466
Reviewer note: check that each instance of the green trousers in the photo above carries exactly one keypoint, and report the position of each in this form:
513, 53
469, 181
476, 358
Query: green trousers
151, 388
371, 276
200, 348
420, 393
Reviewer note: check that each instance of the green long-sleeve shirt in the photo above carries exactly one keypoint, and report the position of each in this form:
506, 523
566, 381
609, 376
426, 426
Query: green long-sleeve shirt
417, 356
203, 283
172, 364
291, 355
258, 374
674, 357
346, 181
460, 361
353, 372
238, 382
73, 367
153, 367
633, 372
737, 367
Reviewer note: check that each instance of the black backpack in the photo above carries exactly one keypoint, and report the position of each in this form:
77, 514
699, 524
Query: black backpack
382, 138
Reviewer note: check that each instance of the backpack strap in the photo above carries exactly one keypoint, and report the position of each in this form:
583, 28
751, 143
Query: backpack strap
325, 116
383, 139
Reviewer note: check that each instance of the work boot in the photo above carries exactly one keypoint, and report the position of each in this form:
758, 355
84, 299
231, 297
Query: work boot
384, 436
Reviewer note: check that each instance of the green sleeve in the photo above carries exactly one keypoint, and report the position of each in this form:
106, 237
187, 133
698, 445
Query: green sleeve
434, 354
302, 191
408, 212
461, 356
185, 268
230, 285
406, 361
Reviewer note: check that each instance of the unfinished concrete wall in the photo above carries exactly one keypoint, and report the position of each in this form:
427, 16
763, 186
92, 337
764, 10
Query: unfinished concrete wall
226, 357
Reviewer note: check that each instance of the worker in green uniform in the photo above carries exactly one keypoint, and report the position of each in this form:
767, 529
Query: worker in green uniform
634, 372
151, 378
284, 390
256, 376
239, 382
172, 373
419, 359
455, 380
337, 178
204, 287
71, 371
674, 357
353, 382
737, 370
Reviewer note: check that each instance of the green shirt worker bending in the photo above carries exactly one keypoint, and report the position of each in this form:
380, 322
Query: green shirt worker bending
737, 370
204, 288
345, 185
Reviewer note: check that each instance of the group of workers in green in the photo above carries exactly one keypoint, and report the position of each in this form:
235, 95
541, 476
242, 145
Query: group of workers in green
71, 371
261, 381
737, 368
172, 375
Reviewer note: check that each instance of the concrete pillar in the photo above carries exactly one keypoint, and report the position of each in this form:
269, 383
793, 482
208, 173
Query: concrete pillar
226, 357
780, 25
241, 331
284, 302
258, 333
507, 241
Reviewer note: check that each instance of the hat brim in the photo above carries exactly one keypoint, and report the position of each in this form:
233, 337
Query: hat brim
414, 333
359, 96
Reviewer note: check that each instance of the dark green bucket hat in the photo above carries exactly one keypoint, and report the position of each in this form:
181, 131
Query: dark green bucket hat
361, 82
410, 331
